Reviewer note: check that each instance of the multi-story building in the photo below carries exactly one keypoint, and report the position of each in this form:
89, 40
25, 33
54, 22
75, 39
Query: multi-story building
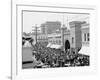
47, 29
85, 39
85, 34
43, 28
75, 38
54, 38
41, 38
50, 27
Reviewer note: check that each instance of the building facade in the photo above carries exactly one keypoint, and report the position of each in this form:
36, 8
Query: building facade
50, 27
85, 49
75, 38
85, 34
54, 38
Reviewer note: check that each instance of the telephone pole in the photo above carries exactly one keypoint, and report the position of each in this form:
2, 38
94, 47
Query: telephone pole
36, 30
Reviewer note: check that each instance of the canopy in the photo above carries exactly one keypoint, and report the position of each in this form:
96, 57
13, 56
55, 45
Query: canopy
85, 50
49, 45
27, 44
55, 46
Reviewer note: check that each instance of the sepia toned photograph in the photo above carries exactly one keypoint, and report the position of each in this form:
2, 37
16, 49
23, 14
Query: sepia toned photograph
55, 39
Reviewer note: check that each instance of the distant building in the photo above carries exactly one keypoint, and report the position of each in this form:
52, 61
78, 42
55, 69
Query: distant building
85, 34
57, 34
85, 49
50, 27
43, 28
71, 39
54, 38
41, 38
76, 34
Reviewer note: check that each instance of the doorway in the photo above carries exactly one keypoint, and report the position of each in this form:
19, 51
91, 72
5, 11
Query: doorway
67, 45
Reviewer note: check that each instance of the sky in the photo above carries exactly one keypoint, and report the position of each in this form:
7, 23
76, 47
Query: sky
30, 19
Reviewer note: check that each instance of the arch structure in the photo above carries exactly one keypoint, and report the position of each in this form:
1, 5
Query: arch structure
67, 45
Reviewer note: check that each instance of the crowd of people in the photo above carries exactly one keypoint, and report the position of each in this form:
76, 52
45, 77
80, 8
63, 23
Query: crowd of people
51, 57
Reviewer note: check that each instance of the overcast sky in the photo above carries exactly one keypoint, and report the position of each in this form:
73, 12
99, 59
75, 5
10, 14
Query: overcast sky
32, 18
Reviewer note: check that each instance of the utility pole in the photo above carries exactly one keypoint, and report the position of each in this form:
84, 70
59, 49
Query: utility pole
35, 30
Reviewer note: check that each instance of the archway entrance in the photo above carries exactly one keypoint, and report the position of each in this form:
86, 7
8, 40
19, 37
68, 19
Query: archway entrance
67, 45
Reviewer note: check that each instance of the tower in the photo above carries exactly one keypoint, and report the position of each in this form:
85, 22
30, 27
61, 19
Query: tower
75, 35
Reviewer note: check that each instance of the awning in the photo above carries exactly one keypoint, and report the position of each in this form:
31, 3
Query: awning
27, 44
85, 50
49, 45
55, 46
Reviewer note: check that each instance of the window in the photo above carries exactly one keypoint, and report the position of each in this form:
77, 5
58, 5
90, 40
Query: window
56, 42
72, 40
84, 36
51, 41
88, 36
59, 41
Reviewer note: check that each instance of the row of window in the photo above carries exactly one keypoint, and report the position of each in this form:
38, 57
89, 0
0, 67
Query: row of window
42, 37
86, 37
55, 41
72, 40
